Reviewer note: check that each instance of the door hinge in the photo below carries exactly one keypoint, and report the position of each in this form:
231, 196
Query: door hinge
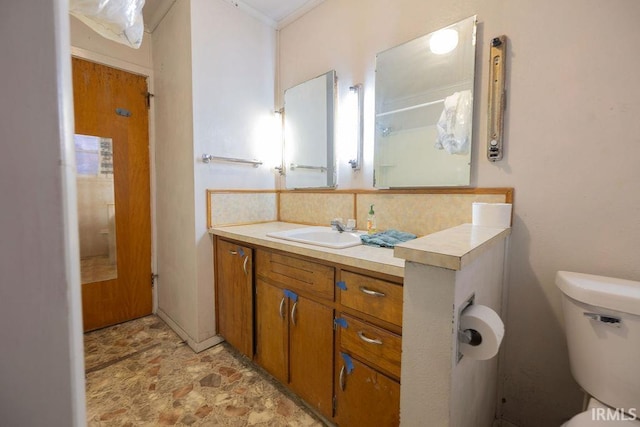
148, 96
153, 279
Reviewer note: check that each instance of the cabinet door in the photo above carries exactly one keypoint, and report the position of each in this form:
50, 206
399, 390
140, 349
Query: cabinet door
366, 397
234, 286
271, 330
311, 353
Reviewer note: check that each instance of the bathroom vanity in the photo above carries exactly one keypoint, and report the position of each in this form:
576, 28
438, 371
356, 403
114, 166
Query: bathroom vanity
326, 323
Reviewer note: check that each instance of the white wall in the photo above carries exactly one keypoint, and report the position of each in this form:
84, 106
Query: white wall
215, 71
233, 63
177, 296
41, 363
572, 144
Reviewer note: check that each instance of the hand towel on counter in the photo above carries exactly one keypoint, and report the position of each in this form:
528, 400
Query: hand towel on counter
454, 126
386, 239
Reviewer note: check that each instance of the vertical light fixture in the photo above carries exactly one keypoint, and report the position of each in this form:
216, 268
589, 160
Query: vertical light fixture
279, 117
496, 108
356, 164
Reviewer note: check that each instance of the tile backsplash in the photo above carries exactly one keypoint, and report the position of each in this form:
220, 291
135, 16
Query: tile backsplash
417, 211
420, 214
317, 208
228, 207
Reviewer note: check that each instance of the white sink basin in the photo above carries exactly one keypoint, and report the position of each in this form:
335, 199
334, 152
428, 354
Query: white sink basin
320, 236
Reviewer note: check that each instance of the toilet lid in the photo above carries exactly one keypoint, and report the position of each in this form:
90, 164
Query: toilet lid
585, 419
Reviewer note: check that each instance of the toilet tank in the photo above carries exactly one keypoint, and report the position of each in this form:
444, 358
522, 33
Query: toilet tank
602, 325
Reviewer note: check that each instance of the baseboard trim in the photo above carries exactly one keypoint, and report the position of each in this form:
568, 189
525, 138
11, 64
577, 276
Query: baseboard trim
503, 423
196, 346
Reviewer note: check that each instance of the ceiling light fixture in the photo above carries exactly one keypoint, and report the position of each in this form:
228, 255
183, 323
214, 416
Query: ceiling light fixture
443, 41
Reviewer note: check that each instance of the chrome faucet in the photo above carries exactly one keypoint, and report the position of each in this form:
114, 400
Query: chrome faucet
338, 225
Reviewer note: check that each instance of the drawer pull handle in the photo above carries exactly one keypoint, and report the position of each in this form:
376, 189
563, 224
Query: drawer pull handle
233, 252
244, 265
282, 307
372, 293
369, 340
342, 377
293, 313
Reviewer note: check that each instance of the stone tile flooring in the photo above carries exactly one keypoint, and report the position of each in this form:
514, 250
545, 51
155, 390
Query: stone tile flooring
140, 373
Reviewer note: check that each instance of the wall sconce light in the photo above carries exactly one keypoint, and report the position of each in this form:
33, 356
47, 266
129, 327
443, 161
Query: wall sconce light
356, 164
279, 115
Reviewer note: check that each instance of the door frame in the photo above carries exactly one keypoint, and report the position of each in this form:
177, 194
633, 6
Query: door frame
148, 73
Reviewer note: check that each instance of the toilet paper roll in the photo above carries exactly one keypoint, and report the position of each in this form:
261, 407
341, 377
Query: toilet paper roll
488, 324
491, 214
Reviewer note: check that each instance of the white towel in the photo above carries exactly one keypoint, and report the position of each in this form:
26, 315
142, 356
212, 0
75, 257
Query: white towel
454, 126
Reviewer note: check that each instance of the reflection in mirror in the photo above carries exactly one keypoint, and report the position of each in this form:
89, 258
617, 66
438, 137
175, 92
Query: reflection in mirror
309, 158
96, 208
424, 109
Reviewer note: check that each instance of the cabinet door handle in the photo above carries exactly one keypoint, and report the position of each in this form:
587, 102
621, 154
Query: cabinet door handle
282, 307
244, 265
369, 340
293, 312
342, 377
372, 293
233, 252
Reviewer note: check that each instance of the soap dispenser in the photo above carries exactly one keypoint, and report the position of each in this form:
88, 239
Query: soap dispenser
371, 221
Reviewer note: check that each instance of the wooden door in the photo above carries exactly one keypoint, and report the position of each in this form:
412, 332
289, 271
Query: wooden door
234, 291
366, 397
113, 104
272, 330
311, 353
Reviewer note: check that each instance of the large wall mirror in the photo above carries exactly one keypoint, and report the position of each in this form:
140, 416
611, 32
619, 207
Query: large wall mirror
96, 208
309, 159
424, 109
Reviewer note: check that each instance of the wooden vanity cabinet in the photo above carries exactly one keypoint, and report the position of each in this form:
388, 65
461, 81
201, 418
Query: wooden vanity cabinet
286, 324
294, 325
366, 397
272, 330
234, 294
368, 351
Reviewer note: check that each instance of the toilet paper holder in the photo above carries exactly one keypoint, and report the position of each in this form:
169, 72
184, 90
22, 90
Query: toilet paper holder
467, 336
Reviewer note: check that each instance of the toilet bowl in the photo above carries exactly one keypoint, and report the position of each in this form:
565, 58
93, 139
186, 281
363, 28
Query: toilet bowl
602, 325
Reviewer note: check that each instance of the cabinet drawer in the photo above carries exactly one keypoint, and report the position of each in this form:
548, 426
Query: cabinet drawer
372, 296
296, 274
375, 345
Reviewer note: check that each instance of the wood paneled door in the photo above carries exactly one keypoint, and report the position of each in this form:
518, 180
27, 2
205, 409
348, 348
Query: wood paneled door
112, 104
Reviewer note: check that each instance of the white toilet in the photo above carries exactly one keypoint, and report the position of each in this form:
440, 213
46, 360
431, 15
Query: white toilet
602, 322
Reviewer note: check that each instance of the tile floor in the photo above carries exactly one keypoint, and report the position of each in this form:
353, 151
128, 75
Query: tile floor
140, 373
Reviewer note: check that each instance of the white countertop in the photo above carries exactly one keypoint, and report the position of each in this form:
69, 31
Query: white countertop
371, 258
452, 248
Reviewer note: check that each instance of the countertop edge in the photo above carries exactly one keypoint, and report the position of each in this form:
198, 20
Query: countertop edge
342, 258
469, 246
